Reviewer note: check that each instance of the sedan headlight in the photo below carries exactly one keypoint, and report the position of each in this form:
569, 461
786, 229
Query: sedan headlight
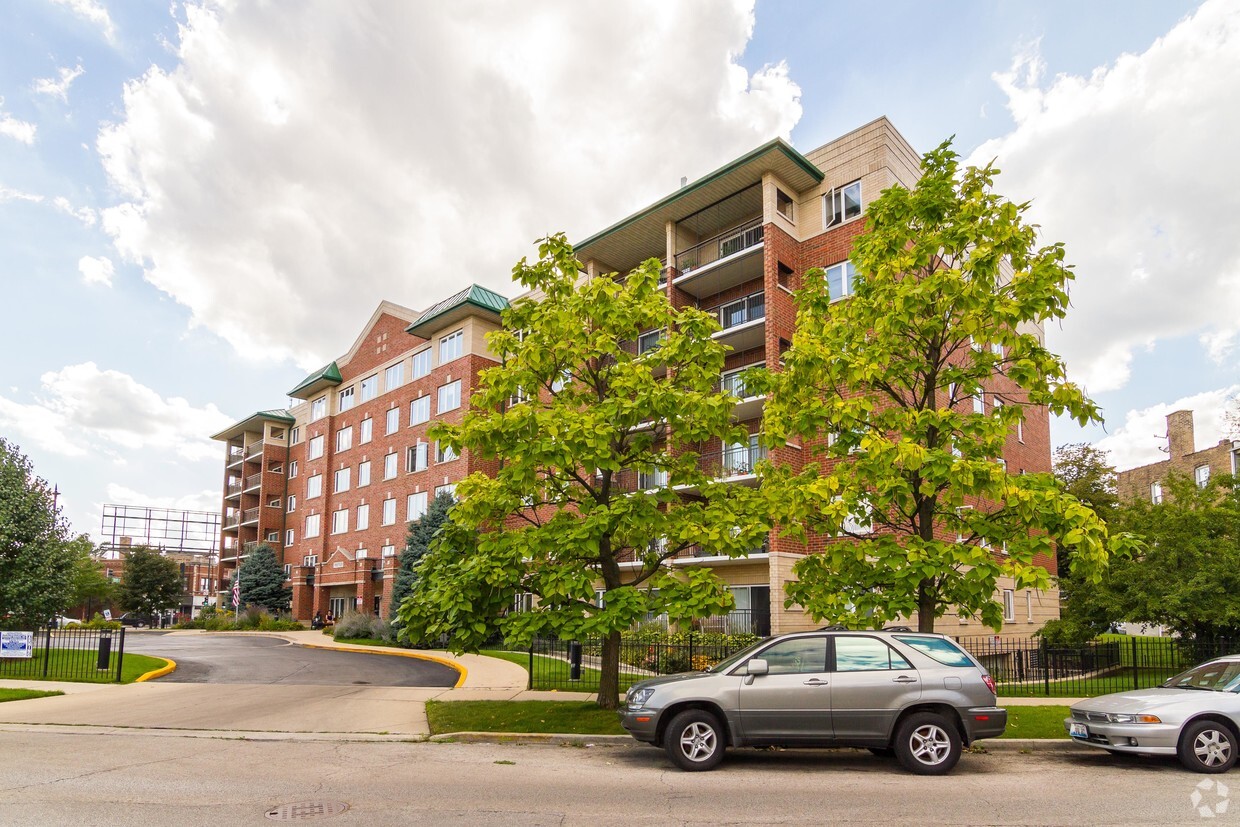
637, 698
1123, 718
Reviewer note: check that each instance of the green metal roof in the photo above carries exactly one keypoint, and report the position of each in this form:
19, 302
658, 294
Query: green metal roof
327, 375
254, 421
457, 307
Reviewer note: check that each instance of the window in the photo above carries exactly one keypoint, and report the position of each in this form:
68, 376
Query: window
389, 466
314, 486
292, 469
444, 453
363, 517
344, 439
421, 363
273, 536
344, 399
449, 489
294, 436
783, 203
315, 449
979, 403
1028, 606
394, 376
366, 431
416, 506
860, 521
450, 396
312, 525
393, 421
1156, 492
292, 502
370, 388
389, 512
649, 341
310, 560
1020, 429
363, 473
799, 655
420, 410
340, 521
1009, 605
288, 537
840, 279
451, 347
941, 649
274, 502
416, 457
318, 409
1202, 475
388, 551
341, 481
841, 204
866, 654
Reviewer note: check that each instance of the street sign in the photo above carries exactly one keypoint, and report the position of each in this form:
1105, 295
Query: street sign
16, 644
107, 614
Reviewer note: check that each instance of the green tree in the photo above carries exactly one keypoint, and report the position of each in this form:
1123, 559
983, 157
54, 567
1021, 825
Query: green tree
417, 544
1187, 576
596, 460
263, 582
91, 588
893, 391
1086, 473
36, 555
151, 583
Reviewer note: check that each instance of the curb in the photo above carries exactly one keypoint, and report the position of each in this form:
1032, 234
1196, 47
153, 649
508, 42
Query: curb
167, 669
568, 739
375, 650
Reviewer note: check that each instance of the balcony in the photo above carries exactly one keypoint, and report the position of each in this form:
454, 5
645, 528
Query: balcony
236, 454
232, 519
254, 449
748, 406
249, 516
726, 260
232, 489
743, 322
735, 463
253, 482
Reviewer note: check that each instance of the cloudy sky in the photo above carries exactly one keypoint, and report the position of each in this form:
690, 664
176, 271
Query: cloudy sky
201, 201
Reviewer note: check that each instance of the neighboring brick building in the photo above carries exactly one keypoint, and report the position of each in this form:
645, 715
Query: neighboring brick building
1146, 481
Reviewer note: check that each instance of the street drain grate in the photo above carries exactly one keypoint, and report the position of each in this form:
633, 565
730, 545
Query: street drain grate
305, 810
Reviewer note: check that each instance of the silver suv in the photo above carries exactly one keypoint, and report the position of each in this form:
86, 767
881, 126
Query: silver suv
917, 696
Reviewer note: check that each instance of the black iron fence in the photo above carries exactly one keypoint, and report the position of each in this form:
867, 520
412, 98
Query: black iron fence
1032, 666
67, 654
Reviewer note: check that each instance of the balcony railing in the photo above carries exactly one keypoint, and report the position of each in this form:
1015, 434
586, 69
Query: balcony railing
236, 453
721, 246
733, 461
733, 314
650, 480
253, 481
232, 520
233, 488
736, 622
250, 515
254, 449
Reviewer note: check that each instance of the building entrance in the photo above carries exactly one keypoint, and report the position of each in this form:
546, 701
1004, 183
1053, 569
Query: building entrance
339, 605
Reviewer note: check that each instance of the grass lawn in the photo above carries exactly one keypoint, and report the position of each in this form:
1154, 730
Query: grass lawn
25, 694
78, 665
371, 641
552, 673
1036, 722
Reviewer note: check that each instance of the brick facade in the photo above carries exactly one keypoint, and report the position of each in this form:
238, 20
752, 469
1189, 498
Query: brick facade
1183, 458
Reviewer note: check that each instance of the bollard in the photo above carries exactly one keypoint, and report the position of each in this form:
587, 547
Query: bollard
105, 652
574, 660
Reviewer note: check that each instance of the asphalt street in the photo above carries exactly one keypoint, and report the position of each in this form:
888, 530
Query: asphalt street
133, 778
269, 660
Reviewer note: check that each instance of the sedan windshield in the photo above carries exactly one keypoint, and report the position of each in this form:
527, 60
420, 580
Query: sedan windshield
1218, 676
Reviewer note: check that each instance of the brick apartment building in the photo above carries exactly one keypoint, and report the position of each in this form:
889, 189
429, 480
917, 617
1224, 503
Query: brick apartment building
1183, 458
734, 243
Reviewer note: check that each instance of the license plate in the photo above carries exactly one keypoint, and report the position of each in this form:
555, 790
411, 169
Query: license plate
1078, 731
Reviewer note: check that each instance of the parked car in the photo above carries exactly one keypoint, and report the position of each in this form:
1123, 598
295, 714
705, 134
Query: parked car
917, 696
62, 622
1194, 716
134, 619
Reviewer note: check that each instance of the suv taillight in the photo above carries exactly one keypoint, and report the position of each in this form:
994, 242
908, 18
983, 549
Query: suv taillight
990, 684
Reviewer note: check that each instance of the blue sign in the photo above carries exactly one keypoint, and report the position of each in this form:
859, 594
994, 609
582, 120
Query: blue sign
16, 644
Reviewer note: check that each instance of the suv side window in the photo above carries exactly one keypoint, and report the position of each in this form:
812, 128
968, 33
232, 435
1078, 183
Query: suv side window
866, 654
788, 657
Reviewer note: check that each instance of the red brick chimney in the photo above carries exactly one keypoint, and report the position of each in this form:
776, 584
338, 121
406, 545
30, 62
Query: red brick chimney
1180, 434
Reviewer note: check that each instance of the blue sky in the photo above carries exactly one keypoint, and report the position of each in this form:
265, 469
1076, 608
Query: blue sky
199, 202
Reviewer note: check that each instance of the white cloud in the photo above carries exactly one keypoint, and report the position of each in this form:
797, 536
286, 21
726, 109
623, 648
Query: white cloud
208, 500
94, 12
96, 270
331, 155
83, 410
7, 194
1134, 168
1138, 440
84, 214
59, 87
20, 131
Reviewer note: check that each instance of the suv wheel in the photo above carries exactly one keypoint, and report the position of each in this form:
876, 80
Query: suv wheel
927, 743
1207, 746
694, 740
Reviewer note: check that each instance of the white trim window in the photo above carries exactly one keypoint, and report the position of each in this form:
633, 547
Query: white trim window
315, 449
449, 396
292, 469
389, 512
447, 488
451, 347
289, 536
1201, 474
366, 431
344, 438
313, 522
370, 387
979, 403
444, 453
416, 458
1028, 606
392, 423
394, 376
415, 506
841, 204
1009, 605
340, 483
314, 486
421, 363
387, 551
363, 473
363, 517
294, 436
318, 409
1156, 492
389, 466
420, 410
344, 399
340, 521
292, 503
841, 279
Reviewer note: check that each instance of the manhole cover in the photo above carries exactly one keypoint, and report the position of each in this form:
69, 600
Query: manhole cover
304, 810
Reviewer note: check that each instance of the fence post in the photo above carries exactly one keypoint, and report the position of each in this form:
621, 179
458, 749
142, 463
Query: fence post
1135, 679
529, 683
47, 649
690, 650
1046, 668
120, 656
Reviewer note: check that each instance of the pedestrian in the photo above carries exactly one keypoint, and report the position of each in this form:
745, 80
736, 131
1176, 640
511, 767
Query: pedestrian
330, 619
317, 623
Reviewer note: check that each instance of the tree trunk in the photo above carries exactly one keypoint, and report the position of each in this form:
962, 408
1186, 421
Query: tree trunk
609, 673
925, 607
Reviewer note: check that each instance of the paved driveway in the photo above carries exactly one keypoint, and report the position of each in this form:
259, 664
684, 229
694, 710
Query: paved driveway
255, 659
